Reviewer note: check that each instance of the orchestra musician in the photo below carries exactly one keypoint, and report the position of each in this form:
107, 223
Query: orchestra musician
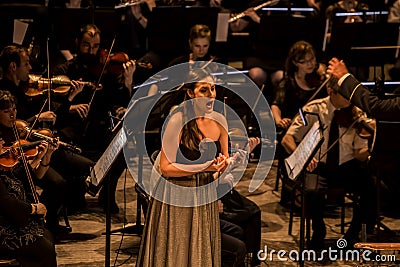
16, 66
262, 70
115, 92
199, 43
15, 63
337, 165
303, 76
23, 235
87, 123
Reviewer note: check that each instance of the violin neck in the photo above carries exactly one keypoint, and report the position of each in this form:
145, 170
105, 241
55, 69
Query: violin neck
30, 145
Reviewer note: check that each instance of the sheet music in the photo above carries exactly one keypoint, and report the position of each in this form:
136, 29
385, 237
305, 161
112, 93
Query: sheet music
19, 31
222, 27
305, 150
104, 163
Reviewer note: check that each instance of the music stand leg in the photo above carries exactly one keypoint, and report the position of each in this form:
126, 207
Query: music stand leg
137, 228
379, 224
302, 220
107, 256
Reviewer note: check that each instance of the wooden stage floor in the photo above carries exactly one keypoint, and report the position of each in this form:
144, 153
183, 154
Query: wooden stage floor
85, 246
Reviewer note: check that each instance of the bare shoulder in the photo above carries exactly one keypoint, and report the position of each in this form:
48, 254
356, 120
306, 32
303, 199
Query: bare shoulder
175, 120
219, 118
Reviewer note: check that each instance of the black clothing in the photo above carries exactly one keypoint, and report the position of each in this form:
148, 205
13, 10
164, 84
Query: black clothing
24, 105
233, 250
388, 109
353, 178
246, 214
385, 158
91, 134
23, 235
289, 97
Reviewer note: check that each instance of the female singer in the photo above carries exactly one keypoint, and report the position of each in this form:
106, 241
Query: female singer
23, 235
303, 76
188, 236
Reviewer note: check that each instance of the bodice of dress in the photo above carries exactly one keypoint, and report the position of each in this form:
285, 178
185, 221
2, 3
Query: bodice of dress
208, 151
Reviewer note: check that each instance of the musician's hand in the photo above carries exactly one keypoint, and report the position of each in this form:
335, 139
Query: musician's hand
312, 165
76, 88
136, 11
42, 149
284, 123
251, 13
48, 116
73, 4
215, 3
151, 4
353, 19
220, 206
312, 3
129, 69
81, 109
120, 112
53, 146
337, 68
40, 209
252, 143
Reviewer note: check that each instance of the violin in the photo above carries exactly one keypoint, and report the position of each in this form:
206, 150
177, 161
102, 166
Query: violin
42, 134
61, 83
354, 117
9, 156
317, 77
113, 64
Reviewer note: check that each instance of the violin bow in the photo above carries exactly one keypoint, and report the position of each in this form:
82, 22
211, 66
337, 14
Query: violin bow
102, 70
50, 85
36, 118
25, 163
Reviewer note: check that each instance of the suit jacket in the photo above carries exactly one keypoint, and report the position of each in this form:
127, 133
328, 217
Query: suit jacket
380, 109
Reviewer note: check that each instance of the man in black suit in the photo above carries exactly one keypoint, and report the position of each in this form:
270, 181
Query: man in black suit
385, 158
356, 93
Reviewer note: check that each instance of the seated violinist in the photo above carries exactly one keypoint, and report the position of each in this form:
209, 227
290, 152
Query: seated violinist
337, 165
115, 91
23, 235
16, 66
92, 133
296, 88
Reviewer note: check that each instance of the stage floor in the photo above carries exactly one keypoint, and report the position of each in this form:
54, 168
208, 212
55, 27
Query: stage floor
85, 246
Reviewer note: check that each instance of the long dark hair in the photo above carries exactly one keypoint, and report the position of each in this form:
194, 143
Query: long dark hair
191, 134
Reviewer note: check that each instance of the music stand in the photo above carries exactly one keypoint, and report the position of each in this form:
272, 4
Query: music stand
296, 165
